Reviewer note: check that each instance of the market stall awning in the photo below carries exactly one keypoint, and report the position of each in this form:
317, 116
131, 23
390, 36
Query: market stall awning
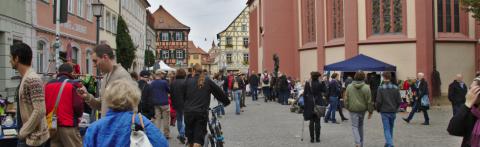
165, 67
360, 62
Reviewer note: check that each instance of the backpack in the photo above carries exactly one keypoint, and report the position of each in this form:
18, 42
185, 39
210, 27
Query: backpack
266, 80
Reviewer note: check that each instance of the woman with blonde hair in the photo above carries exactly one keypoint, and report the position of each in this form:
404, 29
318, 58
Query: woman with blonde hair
122, 98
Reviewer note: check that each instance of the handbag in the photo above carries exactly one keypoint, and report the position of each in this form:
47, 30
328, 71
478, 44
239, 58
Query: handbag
317, 109
425, 101
138, 138
52, 116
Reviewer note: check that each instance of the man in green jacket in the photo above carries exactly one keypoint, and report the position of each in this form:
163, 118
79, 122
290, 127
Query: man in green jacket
358, 100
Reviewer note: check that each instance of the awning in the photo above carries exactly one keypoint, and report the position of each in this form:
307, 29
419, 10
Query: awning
360, 62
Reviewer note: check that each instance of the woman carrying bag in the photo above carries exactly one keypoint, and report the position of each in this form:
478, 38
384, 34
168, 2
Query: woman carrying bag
121, 126
314, 100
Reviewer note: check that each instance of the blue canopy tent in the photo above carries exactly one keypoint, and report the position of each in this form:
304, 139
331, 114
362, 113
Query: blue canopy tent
360, 62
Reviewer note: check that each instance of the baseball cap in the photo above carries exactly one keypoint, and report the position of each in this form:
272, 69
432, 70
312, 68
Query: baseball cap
144, 74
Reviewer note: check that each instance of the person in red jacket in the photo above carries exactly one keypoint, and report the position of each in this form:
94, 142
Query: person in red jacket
69, 109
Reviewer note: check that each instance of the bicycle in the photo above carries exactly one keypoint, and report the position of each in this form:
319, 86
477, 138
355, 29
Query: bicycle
215, 136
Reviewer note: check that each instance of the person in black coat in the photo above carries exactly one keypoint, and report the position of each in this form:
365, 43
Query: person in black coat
456, 93
198, 90
177, 88
145, 106
254, 81
421, 89
463, 122
313, 95
283, 91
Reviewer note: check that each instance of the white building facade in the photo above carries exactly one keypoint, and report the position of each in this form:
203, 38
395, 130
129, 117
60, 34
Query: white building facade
134, 12
15, 26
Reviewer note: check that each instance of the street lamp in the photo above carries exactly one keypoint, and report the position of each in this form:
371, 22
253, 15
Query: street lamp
149, 42
97, 7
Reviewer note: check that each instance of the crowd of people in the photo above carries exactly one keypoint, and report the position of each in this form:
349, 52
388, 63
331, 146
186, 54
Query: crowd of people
357, 96
48, 113
132, 108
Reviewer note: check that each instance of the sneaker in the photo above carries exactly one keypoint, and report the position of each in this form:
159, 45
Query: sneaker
318, 140
425, 123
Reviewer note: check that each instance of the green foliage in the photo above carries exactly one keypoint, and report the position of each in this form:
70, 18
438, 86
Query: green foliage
125, 48
149, 58
472, 6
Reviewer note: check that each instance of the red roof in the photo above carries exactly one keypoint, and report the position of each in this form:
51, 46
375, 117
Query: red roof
165, 20
193, 49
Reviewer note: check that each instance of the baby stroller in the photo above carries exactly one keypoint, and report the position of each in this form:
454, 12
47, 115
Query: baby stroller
297, 105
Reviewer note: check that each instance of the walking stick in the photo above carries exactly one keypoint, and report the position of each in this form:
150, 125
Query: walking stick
303, 126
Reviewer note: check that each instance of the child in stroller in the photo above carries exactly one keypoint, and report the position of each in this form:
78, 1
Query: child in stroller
298, 101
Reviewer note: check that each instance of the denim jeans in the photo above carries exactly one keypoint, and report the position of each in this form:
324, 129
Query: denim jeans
254, 91
283, 97
357, 126
266, 93
416, 106
180, 124
388, 120
221, 110
331, 111
237, 94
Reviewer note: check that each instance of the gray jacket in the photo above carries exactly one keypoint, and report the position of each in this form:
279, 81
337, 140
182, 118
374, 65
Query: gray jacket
388, 98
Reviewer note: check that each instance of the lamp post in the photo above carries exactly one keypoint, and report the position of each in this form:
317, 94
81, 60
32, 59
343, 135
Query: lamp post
97, 7
98, 12
149, 42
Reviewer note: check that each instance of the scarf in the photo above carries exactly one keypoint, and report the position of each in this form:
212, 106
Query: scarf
475, 138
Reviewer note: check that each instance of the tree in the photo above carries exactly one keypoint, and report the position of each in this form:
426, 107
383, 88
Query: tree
125, 48
472, 6
149, 58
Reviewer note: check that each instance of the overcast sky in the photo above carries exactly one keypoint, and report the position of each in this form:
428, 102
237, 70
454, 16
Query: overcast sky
205, 18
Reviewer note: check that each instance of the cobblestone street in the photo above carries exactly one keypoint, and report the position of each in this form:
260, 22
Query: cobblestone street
272, 125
